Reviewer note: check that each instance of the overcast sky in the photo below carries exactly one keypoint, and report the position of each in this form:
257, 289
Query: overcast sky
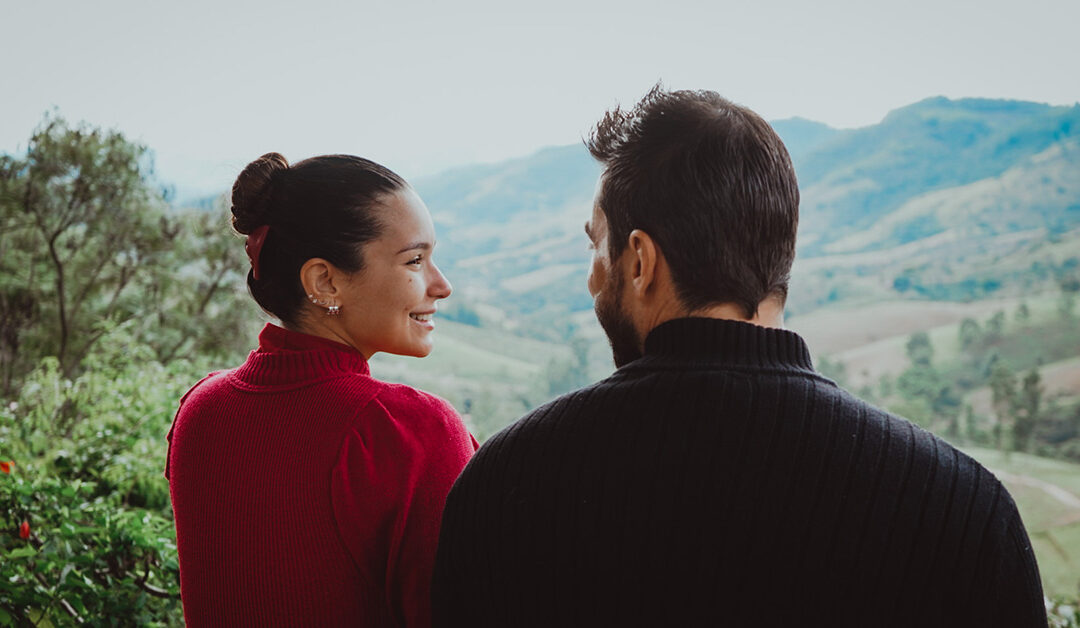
422, 86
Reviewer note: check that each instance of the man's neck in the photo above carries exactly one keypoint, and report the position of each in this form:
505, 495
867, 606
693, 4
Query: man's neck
770, 313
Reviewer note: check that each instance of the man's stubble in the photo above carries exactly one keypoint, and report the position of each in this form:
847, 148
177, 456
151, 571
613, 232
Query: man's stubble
625, 345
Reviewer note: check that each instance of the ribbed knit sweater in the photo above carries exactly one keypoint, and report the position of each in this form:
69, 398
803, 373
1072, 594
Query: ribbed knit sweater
307, 493
720, 481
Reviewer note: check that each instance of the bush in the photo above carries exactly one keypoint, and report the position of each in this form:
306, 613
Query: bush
87, 481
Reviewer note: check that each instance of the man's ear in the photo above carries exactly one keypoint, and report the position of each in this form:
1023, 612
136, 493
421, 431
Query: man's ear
644, 259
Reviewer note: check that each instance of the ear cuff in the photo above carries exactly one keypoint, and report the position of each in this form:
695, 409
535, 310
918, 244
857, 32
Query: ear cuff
331, 310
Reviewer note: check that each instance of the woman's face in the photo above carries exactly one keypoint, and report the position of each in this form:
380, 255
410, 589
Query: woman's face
389, 305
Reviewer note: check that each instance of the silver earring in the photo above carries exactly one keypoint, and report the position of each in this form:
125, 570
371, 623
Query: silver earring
333, 310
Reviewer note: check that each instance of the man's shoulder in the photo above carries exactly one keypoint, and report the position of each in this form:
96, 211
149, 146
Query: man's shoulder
906, 445
538, 425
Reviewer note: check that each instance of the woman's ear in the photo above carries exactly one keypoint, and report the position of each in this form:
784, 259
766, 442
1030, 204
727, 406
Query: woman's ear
318, 278
644, 254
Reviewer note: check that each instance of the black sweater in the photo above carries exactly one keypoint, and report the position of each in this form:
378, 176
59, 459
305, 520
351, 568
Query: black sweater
719, 480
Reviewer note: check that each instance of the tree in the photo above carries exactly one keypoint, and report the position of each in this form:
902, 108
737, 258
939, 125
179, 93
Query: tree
201, 306
835, 370
88, 242
1027, 410
83, 229
919, 349
995, 326
1067, 306
971, 427
1023, 313
970, 333
1003, 398
567, 374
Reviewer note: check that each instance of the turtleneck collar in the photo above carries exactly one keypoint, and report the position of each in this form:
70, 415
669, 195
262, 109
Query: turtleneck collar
727, 343
290, 359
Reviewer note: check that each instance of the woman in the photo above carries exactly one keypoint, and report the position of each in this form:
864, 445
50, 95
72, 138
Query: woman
306, 492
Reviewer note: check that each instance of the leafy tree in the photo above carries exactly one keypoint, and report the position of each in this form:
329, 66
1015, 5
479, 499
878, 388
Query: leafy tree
970, 333
927, 384
835, 370
885, 386
201, 306
566, 375
88, 241
1003, 398
1027, 410
919, 349
995, 327
971, 427
1067, 306
1023, 313
83, 231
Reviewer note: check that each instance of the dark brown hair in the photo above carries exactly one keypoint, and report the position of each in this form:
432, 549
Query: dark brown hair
711, 183
321, 207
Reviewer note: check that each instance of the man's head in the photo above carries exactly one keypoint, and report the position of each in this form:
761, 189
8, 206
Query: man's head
703, 186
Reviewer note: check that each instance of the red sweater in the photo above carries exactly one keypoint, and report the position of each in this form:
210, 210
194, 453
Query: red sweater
305, 492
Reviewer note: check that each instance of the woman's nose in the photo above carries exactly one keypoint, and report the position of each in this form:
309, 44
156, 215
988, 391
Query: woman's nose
440, 287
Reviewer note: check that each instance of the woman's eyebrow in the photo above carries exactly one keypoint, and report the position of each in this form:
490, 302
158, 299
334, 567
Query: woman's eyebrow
416, 246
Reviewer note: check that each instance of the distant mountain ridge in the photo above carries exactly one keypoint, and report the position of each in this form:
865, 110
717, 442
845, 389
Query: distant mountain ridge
943, 199
944, 178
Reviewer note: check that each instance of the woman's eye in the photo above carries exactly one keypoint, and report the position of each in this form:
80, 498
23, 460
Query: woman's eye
417, 260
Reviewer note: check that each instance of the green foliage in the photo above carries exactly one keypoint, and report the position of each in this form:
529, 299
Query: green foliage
89, 454
919, 349
1023, 314
835, 370
1003, 395
1063, 614
566, 375
1067, 306
83, 230
88, 241
105, 295
1028, 401
970, 333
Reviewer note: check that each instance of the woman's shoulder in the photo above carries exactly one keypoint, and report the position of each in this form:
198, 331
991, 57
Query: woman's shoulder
400, 399
204, 387
407, 420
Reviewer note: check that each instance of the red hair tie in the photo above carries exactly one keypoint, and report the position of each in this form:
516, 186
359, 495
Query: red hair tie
253, 245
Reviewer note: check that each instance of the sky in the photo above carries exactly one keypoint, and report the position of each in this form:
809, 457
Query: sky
425, 86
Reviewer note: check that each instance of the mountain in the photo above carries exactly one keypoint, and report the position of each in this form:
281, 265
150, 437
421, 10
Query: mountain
943, 199
858, 177
801, 136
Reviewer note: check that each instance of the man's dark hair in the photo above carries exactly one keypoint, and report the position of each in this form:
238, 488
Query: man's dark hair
711, 183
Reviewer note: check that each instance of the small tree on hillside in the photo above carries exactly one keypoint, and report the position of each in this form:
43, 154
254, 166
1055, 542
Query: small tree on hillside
1003, 398
1023, 314
1027, 410
970, 333
995, 326
919, 349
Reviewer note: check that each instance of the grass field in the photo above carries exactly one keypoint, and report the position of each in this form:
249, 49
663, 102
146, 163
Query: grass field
870, 339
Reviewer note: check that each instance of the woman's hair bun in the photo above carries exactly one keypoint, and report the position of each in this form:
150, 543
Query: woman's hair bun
251, 192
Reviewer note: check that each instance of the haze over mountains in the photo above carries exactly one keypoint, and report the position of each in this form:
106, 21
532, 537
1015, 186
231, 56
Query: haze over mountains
944, 199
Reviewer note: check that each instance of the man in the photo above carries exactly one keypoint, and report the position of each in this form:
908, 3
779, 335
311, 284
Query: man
715, 478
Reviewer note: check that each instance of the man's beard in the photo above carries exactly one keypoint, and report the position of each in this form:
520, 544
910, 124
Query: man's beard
617, 325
